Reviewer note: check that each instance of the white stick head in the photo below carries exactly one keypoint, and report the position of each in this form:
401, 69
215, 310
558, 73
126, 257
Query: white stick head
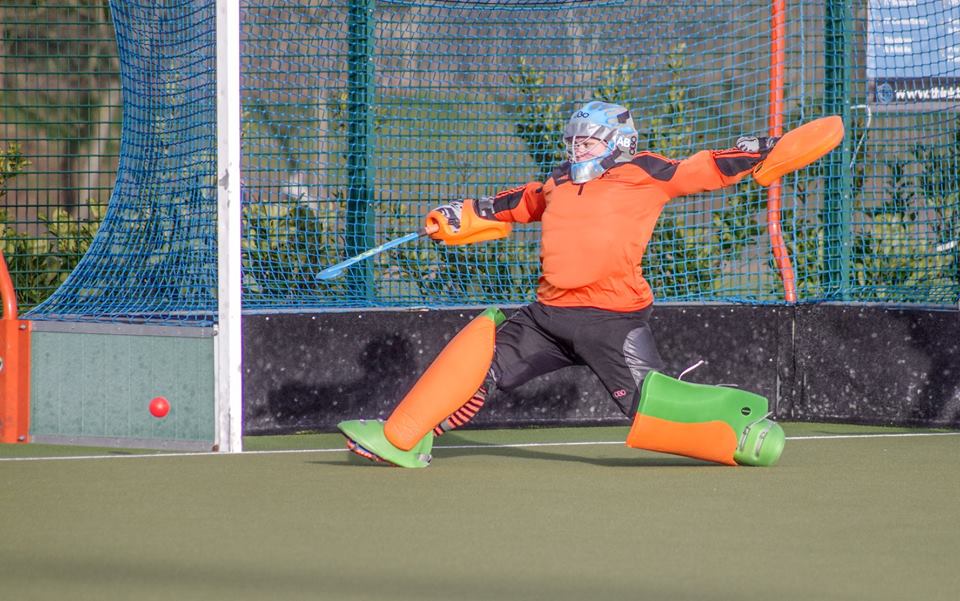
332, 272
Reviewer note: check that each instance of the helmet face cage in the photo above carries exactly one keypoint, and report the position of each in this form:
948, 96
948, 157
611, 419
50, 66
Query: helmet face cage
608, 123
576, 138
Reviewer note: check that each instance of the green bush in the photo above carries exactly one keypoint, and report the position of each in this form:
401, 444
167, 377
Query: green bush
539, 118
12, 163
896, 256
39, 264
284, 246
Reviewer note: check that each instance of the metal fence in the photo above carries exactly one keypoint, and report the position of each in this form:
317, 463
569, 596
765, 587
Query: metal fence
359, 116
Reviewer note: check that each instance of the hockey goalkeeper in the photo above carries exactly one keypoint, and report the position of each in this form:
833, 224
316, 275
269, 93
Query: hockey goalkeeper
598, 210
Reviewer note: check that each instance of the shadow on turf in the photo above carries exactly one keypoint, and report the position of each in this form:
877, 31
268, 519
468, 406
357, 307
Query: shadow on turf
526, 453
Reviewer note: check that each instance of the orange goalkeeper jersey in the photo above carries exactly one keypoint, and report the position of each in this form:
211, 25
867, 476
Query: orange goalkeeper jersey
594, 234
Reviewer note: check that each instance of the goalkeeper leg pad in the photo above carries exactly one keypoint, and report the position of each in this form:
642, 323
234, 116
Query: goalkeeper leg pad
713, 423
449, 382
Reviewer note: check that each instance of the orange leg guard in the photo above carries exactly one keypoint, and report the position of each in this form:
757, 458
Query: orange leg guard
449, 382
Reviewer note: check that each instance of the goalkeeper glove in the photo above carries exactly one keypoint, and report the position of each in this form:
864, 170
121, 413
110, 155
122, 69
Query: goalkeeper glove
756, 145
465, 221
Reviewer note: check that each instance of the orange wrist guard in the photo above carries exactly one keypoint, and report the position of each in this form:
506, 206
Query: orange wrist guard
473, 227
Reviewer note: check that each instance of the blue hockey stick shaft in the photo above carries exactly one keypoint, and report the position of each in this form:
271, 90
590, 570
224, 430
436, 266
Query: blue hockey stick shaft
337, 270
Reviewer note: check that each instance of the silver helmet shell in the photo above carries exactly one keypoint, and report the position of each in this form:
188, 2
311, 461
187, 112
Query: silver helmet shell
609, 123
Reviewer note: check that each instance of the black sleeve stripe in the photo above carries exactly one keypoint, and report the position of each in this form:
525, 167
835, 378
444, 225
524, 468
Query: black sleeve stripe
508, 199
735, 164
659, 167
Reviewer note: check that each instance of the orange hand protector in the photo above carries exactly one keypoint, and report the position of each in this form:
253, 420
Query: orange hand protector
799, 147
449, 382
473, 228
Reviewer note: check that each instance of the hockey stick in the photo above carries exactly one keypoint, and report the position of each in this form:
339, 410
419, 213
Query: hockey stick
337, 270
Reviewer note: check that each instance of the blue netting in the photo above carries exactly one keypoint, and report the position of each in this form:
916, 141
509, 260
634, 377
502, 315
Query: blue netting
155, 254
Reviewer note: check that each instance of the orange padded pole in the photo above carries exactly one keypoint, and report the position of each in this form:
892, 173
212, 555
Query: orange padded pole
14, 365
777, 59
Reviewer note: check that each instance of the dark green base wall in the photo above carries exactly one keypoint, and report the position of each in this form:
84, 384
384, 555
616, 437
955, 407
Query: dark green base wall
871, 365
92, 385
857, 364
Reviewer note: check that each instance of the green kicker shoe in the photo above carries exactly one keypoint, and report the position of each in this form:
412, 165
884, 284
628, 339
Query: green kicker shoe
366, 438
760, 440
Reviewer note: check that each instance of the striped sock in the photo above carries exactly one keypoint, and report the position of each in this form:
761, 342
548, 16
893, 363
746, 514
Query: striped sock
464, 413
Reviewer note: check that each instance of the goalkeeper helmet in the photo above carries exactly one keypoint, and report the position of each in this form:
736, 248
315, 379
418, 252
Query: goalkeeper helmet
598, 136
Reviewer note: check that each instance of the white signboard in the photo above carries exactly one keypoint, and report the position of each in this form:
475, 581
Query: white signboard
913, 51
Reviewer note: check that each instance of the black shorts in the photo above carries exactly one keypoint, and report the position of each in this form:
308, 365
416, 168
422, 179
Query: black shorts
539, 339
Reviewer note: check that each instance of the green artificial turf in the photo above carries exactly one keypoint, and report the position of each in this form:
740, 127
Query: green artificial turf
838, 518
